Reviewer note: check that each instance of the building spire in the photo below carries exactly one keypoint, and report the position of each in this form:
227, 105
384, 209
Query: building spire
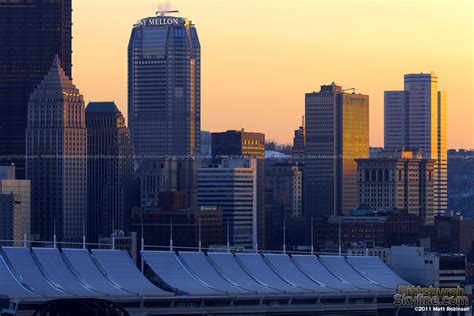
56, 61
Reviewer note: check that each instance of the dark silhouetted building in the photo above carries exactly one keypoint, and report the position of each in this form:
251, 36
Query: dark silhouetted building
285, 181
164, 88
31, 34
56, 148
187, 226
299, 143
401, 180
367, 228
237, 144
171, 174
109, 170
15, 206
454, 234
337, 132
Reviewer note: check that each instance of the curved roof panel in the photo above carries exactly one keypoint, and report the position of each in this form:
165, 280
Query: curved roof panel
122, 270
171, 271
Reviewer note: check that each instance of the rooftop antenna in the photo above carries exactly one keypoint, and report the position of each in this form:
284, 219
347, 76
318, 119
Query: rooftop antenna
350, 89
165, 12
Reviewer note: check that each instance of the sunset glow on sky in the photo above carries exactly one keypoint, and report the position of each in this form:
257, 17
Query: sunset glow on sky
259, 57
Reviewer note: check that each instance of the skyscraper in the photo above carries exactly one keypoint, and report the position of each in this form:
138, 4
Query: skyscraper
337, 132
416, 119
56, 164
109, 169
31, 34
164, 88
245, 145
233, 187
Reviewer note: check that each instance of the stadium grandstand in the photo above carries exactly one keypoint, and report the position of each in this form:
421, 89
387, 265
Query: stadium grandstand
36, 281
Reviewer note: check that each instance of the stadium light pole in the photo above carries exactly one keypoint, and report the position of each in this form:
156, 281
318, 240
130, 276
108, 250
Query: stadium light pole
83, 236
143, 248
199, 234
228, 241
171, 234
113, 235
54, 232
284, 235
312, 236
339, 235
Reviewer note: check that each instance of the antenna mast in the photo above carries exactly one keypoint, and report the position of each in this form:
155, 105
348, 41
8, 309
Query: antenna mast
165, 12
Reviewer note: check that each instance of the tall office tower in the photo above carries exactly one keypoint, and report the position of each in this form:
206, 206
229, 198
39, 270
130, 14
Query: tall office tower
56, 164
25, 58
245, 145
15, 206
337, 132
397, 180
416, 118
164, 88
233, 187
109, 171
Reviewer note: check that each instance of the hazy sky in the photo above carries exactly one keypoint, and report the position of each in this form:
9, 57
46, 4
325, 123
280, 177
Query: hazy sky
259, 57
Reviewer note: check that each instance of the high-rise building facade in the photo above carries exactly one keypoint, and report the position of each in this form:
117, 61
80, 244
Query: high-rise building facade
109, 171
161, 175
237, 144
402, 180
337, 132
233, 144
285, 182
206, 147
25, 58
232, 186
15, 206
164, 88
56, 148
416, 119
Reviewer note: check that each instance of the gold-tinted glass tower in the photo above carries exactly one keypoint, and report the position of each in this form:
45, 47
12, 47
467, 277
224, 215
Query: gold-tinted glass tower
337, 132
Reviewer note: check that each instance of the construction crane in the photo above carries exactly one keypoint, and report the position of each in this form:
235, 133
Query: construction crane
165, 12
349, 89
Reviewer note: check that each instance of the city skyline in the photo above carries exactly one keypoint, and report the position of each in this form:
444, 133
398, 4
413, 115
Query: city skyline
374, 66
283, 203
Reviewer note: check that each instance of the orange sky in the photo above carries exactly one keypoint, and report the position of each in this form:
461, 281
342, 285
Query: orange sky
259, 57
